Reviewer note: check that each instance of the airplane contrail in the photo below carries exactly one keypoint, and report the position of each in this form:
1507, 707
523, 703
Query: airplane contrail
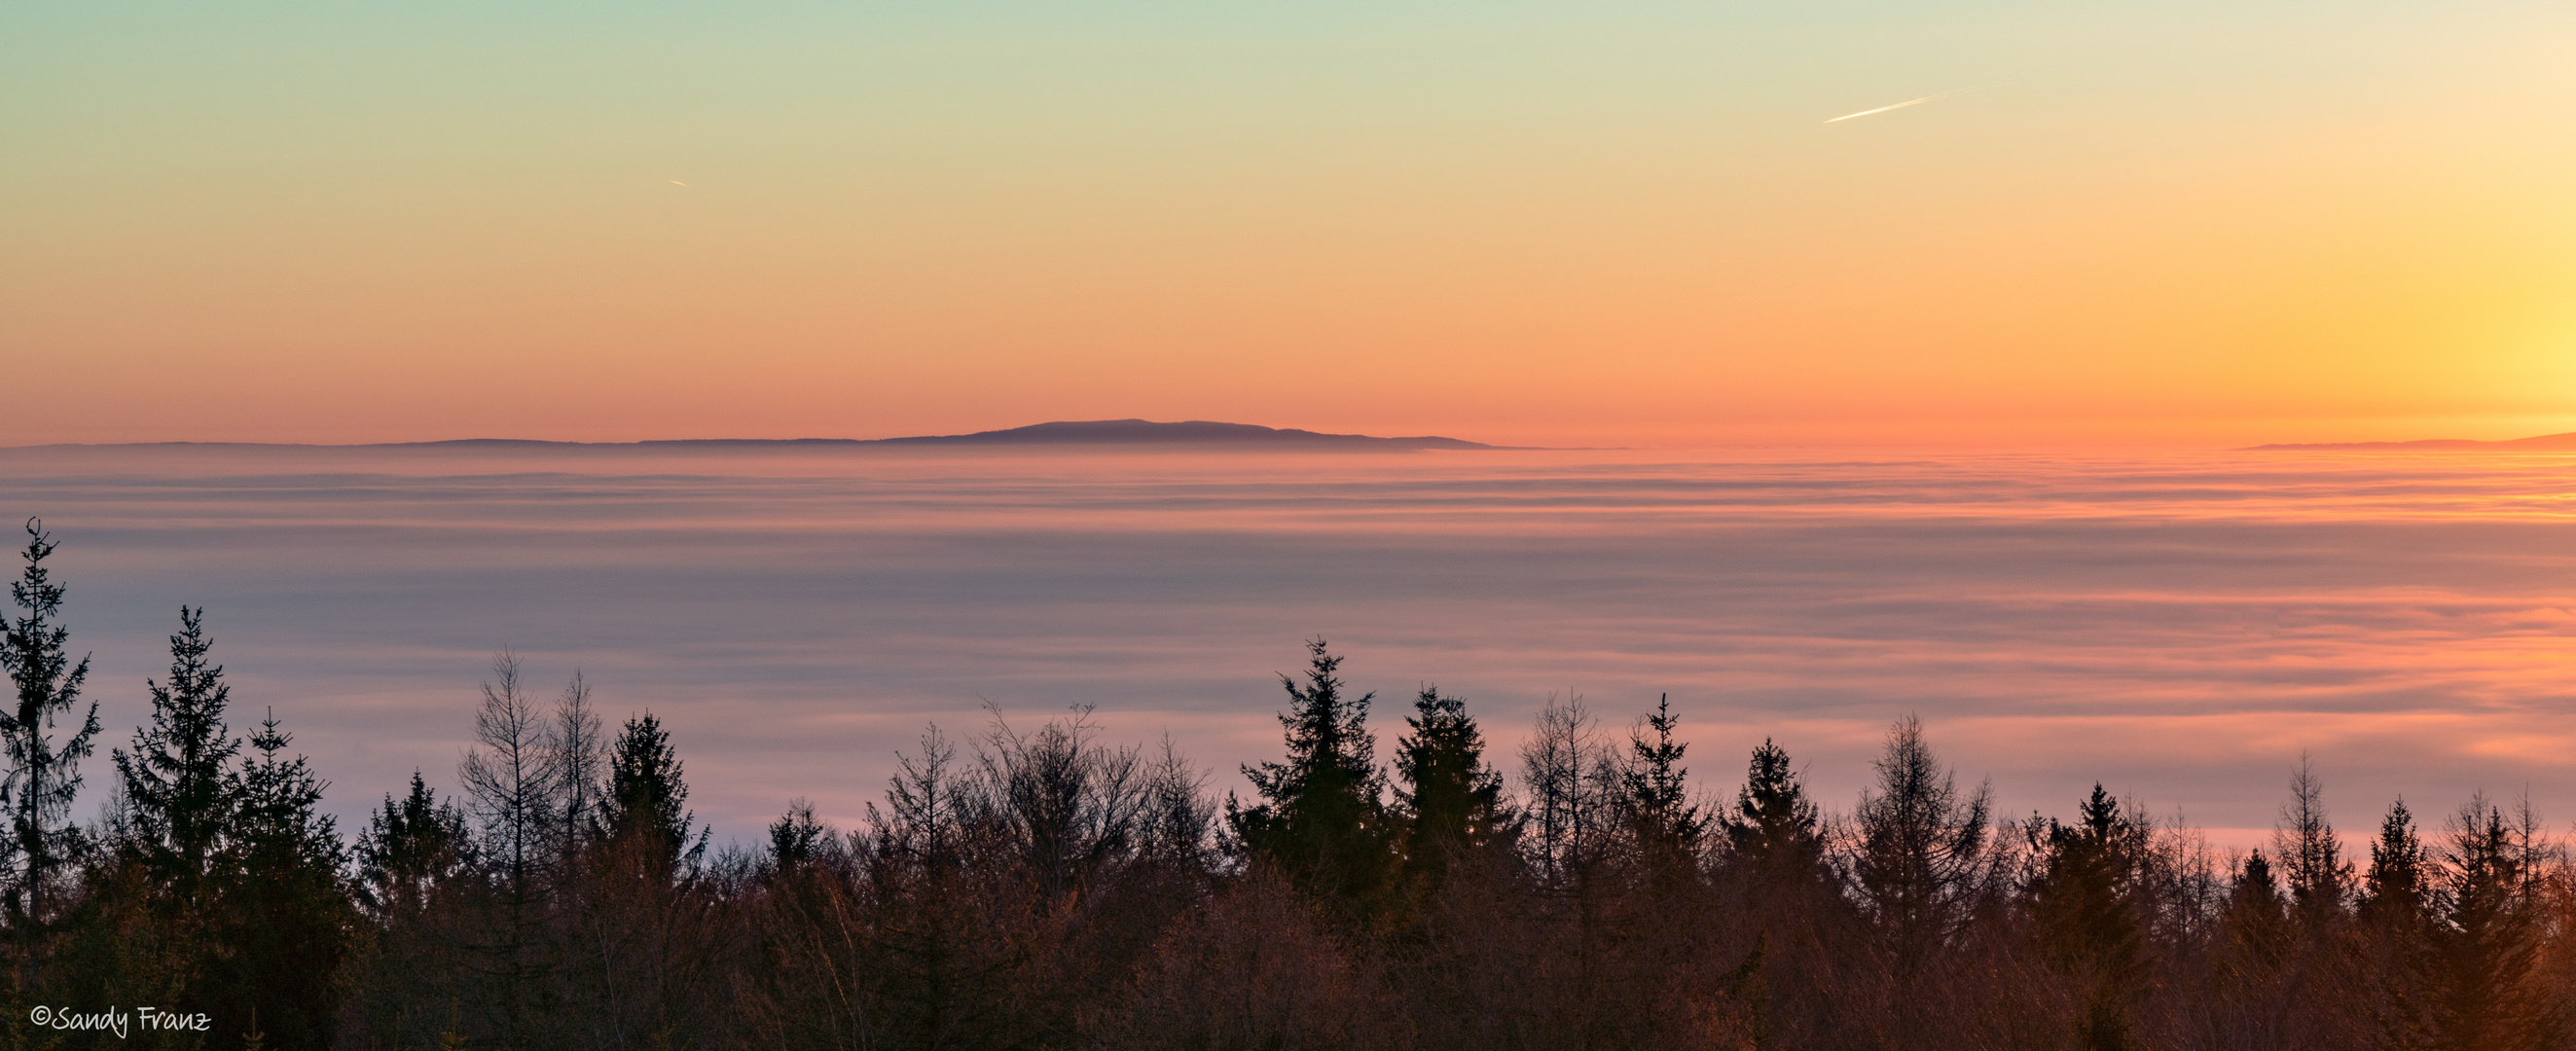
1920, 101
676, 182
1883, 109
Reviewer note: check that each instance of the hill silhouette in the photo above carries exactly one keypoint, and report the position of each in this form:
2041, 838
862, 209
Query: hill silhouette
1207, 434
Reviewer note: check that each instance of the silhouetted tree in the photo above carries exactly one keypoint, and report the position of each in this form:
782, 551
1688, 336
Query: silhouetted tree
176, 789
1450, 800
1921, 844
1322, 818
1069, 806
1179, 824
795, 838
1655, 797
180, 809
2320, 879
410, 850
2491, 996
2397, 917
511, 781
578, 753
1571, 784
292, 916
2255, 923
2088, 917
44, 773
647, 800
1773, 818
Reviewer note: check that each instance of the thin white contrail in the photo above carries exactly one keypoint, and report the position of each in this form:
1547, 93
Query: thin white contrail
1883, 109
1920, 101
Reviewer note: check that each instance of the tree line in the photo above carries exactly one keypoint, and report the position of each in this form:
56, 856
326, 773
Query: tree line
1043, 888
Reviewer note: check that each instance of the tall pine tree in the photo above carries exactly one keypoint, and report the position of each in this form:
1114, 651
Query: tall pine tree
1774, 825
1322, 819
410, 850
647, 802
1451, 800
293, 914
176, 778
44, 773
1655, 797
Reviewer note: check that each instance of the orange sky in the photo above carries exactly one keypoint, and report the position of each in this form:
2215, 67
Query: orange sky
1526, 223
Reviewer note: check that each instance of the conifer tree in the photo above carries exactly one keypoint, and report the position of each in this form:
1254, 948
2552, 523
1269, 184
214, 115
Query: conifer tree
647, 801
2396, 887
44, 773
411, 849
2085, 902
176, 779
2398, 928
795, 838
293, 915
1322, 819
1655, 796
1451, 800
2084, 896
2491, 994
2256, 931
1773, 819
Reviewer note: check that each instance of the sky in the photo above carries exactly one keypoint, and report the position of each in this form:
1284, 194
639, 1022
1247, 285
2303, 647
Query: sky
1631, 221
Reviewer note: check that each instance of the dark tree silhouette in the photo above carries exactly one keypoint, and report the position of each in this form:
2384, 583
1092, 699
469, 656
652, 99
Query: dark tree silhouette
647, 800
1655, 797
2320, 879
410, 851
1921, 843
2089, 919
2398, 933
1322, 818
293, 916
2491, 996
44, 773
1773, 820
1450, 800
176, 779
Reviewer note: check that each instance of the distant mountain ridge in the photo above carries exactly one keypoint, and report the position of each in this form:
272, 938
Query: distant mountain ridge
2543, 443
1207, 433
1186, 432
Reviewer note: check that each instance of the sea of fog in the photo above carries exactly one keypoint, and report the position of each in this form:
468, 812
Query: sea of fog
2179, 626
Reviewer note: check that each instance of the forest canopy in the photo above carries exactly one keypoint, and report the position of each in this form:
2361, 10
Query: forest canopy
1041, 887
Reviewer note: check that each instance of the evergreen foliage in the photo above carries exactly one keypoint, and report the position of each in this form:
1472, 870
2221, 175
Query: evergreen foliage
1057, 892
292, 918
1322, 819
647, 801
1450, 800
1655, 796
1773, 820
179, 800
412, 849
44, 772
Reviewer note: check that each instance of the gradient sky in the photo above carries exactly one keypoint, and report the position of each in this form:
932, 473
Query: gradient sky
1517, 221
